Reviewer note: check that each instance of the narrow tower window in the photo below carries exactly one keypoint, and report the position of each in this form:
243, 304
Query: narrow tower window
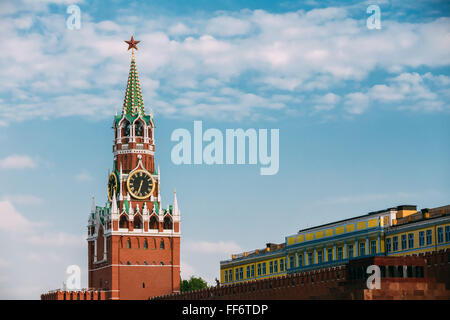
153, 223
137, 222
123, 223
139, 129
167, 223
126, 129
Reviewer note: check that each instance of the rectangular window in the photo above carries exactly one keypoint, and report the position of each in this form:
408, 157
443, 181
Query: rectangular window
248, 271
236, 278
241, 273
395, 244
447, 233
403, 241
410, 240
421, 238
362, 248
259, 269
291, 262
275, 266
440, 235
300, 260
330, 255
429, 238
281, 265
350, 251
264, 268
310, 258
271, 267
226, 275
388, 245
252, 268
230, 275
373, 247
319, 256
340, 253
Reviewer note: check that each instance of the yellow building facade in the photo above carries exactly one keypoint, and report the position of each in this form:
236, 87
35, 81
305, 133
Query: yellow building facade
395, 231
254, 265
424, 231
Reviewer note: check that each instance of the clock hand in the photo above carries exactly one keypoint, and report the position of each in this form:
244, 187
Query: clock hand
140, 186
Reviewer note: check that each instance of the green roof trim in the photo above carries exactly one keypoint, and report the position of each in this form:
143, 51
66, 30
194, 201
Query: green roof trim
146, 118
127, 206
156, 205
102, 212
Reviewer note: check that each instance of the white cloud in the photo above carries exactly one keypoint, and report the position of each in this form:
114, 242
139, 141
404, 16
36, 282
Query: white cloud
11, 220
326, 102
4, 263
226, 247
356, 103
201, 258
17, 162
412, 91
83, 176
57, 239
187, 270
274, 53
108, 25
179, 29
36, 259
227, 26
24, 199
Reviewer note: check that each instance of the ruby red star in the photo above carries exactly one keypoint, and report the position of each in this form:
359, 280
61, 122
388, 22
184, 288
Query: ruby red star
132, 44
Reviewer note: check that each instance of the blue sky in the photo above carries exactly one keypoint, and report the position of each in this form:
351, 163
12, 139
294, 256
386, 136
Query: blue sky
363, 118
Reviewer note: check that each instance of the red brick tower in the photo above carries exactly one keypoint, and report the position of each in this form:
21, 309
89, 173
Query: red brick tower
134, 244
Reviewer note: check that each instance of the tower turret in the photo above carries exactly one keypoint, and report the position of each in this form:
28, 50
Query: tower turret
133, 229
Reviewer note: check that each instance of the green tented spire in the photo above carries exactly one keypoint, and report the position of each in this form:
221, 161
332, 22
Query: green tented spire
133, 104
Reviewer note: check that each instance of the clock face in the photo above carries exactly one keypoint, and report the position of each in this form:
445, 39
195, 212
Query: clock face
140, 184
112, 185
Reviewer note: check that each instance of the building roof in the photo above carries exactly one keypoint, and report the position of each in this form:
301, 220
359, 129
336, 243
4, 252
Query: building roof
269, 249
424, 214
398, 208
133, 104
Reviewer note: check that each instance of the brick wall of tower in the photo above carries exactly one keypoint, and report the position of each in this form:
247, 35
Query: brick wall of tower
137, 273
129, 161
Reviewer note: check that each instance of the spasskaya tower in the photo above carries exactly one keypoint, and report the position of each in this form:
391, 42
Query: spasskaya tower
133, 243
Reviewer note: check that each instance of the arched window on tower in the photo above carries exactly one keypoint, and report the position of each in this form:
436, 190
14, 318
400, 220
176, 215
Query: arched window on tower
161, 244
139, 129
167, 223
145, 245
153, 222
123, 223
128, 244
126, 129
137, 223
